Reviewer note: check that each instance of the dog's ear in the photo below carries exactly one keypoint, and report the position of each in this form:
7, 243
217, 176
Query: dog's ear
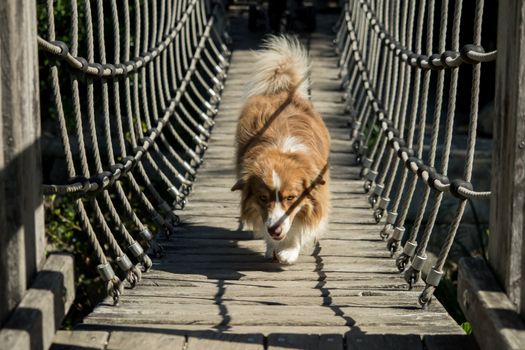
239, 185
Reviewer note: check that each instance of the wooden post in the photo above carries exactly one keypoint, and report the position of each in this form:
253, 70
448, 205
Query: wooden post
22, 241
506, 243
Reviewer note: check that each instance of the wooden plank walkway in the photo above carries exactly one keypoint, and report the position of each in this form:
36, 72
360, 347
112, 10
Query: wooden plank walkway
214, 289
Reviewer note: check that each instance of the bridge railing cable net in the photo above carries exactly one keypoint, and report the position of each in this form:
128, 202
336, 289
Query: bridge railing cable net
401, 63
135, 87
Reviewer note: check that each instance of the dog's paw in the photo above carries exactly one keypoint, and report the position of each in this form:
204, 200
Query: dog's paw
269, 253
288, 256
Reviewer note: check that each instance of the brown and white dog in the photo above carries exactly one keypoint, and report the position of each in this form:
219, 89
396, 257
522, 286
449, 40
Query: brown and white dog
283, 147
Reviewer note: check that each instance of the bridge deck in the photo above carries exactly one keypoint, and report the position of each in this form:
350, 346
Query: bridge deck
214, 288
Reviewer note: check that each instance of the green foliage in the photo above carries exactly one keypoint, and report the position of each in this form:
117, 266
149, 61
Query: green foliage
467, 327
373, 137
64, 234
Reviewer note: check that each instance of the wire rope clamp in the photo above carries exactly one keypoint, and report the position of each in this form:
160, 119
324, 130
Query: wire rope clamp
136, 249
434, 62
378, 190
412, 59
124, 263
383, 203
84, 65
367, 162
418, 262
405, 153
467, 50
397, 143
398, 233
371, 176
174, 192
434, 277
455, 186
391, 217
410, 248
413, 164
99, 68
434, 176
106, 272
64, 49
146, 235
450, 59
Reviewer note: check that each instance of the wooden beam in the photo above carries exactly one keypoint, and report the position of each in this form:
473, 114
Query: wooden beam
508, 178
40, 313
495, 322
22, 241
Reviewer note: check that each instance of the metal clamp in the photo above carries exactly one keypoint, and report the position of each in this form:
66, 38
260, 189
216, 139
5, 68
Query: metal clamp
433, 277
136, 249
391, 218
106, 272
124, 263
410, 248
398, 233
418, 262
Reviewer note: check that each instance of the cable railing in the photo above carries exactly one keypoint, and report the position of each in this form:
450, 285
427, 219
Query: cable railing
143, 81
400, 63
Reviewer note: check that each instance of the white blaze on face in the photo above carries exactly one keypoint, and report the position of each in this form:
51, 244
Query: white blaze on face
278, 214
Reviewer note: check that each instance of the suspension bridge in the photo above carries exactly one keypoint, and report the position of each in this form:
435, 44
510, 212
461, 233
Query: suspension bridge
145, 98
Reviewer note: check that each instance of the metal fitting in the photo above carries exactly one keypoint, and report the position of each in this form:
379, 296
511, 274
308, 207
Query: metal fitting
106, 272
433, 277
398, 233
136, 249
410, 248
124, 263
391, 218
418, 262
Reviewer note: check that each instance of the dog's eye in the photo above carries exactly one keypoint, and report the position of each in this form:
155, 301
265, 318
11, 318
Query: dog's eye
290, 198
263, 198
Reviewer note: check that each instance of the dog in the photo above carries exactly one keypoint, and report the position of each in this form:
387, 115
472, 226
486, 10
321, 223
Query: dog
282, 153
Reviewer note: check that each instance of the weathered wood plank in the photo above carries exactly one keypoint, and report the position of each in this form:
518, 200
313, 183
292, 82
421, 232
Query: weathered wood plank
488, 308
450, 342
357, 340
220, 341
85, 340
507, 221
119, 340
281, 341
22, 241
37, 317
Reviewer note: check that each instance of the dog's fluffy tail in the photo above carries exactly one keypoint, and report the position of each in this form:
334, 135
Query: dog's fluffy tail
281, 65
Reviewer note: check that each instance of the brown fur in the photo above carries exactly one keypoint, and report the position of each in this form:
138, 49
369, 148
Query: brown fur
264, 122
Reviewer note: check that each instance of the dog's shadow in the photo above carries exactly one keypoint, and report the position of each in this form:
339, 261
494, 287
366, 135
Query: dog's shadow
214, 253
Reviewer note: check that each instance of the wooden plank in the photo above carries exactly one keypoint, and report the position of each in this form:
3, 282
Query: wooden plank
218, 341
400, 329
119, 340
450, 342
281, 341
37, 317
507, 223
226, 314
82, 340
488, 308
358, 340
22, 241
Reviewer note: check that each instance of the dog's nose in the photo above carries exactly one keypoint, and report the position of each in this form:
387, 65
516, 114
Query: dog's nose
275, 231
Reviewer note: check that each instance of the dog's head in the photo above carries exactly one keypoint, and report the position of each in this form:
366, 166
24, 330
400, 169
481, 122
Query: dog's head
276, 189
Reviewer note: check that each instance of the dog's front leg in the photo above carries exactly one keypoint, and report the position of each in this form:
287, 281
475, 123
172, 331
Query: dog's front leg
288, 251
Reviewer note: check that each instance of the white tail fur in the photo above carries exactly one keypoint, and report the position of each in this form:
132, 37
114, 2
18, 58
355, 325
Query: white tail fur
281, 65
